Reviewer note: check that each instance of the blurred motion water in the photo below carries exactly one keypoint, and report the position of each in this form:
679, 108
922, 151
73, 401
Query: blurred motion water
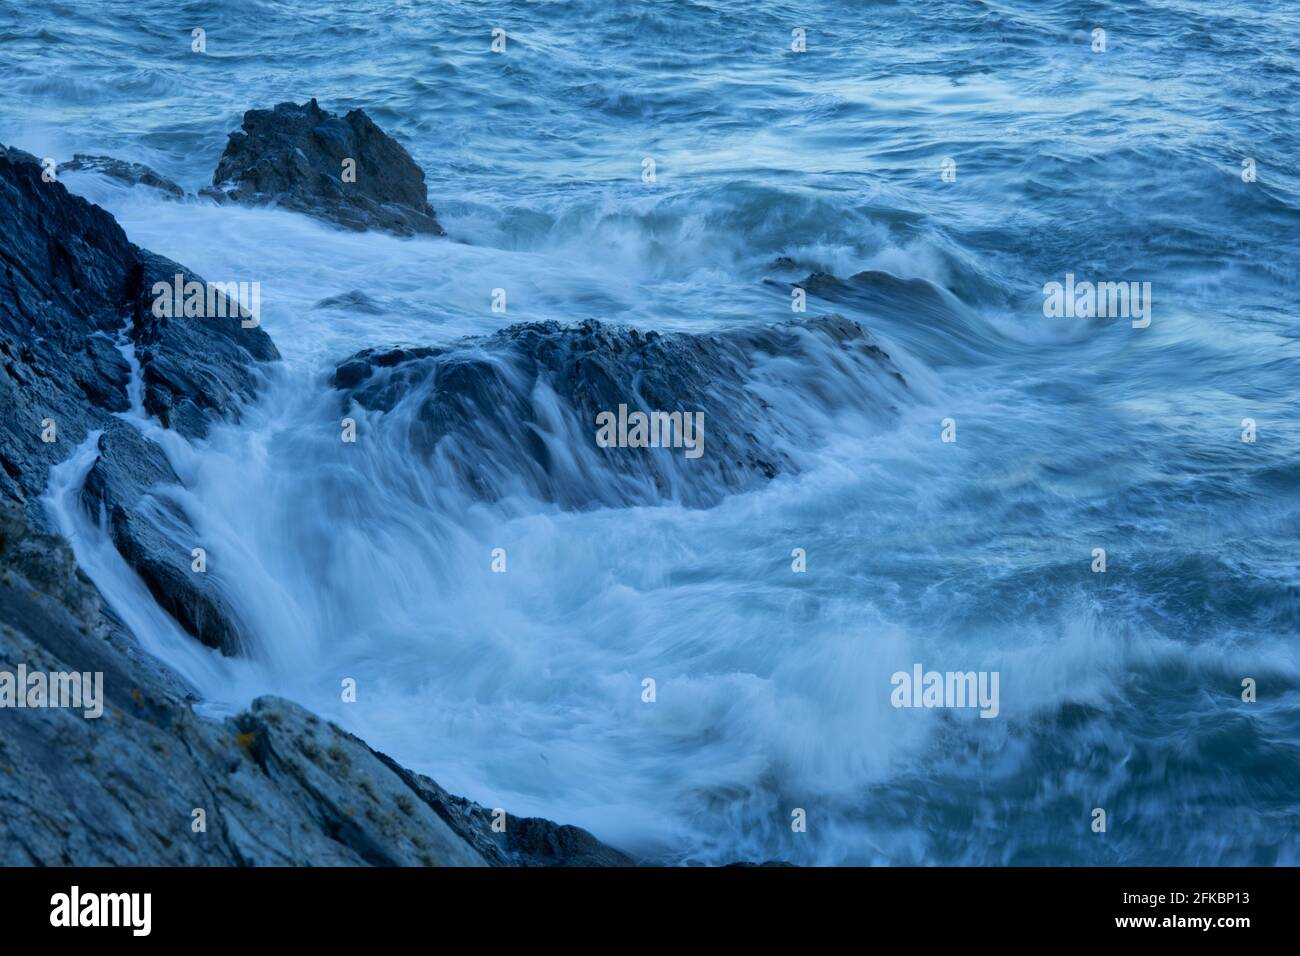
523, 690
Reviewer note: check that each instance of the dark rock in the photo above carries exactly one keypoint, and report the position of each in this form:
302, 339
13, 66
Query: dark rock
128, 485
747, 864
516, 411
195, 371
73, 294
63, 263
293, 156
821, 283
870, 284
63, 267
886, 283
526, 841
359, 367
101, 382
277, 785
133, 174
354, 301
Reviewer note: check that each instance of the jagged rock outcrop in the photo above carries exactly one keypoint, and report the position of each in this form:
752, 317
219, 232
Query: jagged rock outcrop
73, 290
293, 156
76, 297
526, 841
517, 411
133, 174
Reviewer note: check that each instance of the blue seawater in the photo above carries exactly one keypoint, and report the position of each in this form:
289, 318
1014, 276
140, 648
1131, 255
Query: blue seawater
1119, 690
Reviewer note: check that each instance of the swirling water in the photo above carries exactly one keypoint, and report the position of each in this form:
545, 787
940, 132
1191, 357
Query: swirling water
1119, 690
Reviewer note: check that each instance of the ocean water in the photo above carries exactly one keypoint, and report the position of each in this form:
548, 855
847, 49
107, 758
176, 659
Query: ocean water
523, 690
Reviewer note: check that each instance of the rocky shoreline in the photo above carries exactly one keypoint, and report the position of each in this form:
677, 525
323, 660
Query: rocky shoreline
149, 782
86, 356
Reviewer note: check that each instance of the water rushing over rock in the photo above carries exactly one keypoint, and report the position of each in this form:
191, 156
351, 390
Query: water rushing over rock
132, 174
945, 160
516, 412
83, 349
91, 374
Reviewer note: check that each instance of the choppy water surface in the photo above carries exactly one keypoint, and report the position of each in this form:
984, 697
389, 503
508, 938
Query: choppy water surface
523, 690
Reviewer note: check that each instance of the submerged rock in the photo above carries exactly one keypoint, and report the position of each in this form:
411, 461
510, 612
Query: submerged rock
354, 301
932, 322
517, 411
133, 174
294, 156
872, 282
874, 290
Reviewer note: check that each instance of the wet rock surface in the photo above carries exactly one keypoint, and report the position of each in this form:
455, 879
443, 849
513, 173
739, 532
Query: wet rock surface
517, 411
133, 174
127, 488
353, 301
73, 292
526, 841
75, 300
862, 288
294, 156
277, 785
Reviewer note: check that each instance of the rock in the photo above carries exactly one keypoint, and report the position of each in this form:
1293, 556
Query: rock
747, 864
74, 290
878, 292
294, 156
128, 485
354, 301
133, 174
195, 371
312, 769
516, 411
527, 841
277, 785
883, 285
931, 322
75, 295
62, 274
